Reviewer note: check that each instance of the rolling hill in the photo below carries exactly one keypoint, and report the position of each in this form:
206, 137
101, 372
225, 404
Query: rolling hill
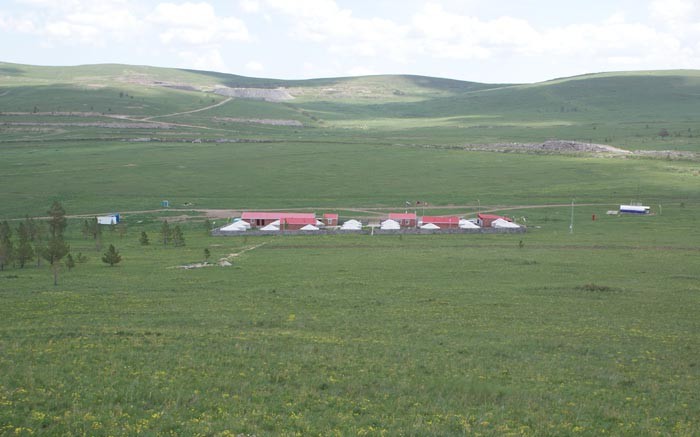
188, 135
626, 109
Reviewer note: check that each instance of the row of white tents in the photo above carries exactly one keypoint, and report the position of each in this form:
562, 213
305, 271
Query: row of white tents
242, 226
463, 224
354, 225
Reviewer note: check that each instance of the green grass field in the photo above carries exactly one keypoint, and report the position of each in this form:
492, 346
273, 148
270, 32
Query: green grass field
593, 332
550, 332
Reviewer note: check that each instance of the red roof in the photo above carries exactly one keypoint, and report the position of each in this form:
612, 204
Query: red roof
299, 220
330, 216
444, 220
493, 217
277, 215
402, 216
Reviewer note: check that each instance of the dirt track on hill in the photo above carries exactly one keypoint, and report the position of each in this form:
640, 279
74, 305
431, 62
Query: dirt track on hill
376, 211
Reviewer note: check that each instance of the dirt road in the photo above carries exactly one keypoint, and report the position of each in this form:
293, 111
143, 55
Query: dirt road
209, 213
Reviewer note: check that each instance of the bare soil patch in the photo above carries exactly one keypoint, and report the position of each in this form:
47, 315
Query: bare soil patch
547, 147
268, 121
266, 94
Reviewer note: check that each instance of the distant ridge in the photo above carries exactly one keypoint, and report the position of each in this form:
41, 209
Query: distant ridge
655, 110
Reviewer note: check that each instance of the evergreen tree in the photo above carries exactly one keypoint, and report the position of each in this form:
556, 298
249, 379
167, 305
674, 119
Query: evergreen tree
38, 229
56, 247
54, 251
70, 263
57, 219
144, 239
165, 232
24, 251
6, 247
207, 254
32, 228
121, 229
178, 237
86, 229
96, 233
207, 226
112, 256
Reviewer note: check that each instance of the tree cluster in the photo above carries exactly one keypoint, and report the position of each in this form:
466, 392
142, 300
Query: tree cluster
29, 244
172, 235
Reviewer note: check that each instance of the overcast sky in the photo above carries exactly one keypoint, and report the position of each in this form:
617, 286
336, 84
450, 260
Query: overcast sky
486, 41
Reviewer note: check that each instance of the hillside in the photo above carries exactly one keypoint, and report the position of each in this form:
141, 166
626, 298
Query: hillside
627, 110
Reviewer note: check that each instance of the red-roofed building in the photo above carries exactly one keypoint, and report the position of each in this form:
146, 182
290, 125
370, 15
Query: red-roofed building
444, 221
406, 220
485, 220
330, 219
296, 223
260, 219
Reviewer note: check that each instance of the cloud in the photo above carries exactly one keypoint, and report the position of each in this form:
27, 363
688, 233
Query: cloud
250, 6
208, 60
672, 12
324, 22
361, 70
254, 66
76, 21
196, 24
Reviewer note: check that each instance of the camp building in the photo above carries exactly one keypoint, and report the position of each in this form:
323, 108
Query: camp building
285, 220
442, 221
406, 220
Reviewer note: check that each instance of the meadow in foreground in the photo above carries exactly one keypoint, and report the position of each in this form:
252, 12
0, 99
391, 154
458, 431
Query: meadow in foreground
589, 333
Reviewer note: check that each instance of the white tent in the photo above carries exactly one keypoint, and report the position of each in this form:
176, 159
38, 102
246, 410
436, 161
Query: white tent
319, 223
430, 226
351, 225
466, 224
234, 227
270, 227
309, 228
242, 223
500, 223
275, 223
390, 225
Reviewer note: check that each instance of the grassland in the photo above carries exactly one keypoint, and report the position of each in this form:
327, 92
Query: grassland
593, 332
589, 333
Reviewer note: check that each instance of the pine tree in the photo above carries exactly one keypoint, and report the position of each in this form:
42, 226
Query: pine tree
56, 248
207, 254
54, 251
96, 233
207, 226
178, 237
32, 228
6, 247
144, 239
165, 232
57, 219
121, 229
24, 251
112, 256
86, 229
37, 231
70, 263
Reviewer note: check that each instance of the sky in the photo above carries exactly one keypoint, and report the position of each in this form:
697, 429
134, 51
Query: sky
495, 41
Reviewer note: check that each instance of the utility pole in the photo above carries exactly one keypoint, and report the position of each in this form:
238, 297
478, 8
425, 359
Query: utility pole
571, 225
